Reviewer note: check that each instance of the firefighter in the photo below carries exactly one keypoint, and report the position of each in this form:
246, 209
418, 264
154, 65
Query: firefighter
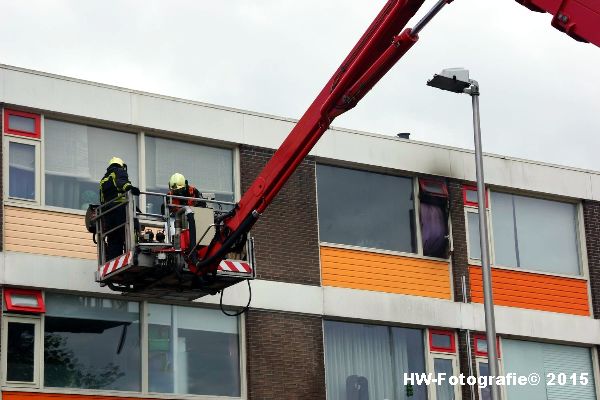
178, 186
114, 185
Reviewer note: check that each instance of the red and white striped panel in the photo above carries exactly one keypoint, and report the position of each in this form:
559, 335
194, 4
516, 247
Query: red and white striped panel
114, 265
235, 266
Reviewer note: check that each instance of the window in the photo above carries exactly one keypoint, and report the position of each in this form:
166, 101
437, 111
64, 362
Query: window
192, 351
485, 391
473, 228
91, 343
22, 300
22, 170
210, 169
433, 210
481, 347
21, 336
444, 390
369, 361
443, 360
524, 229
76, 157
442, 341
366, 209
470, 197
94, 343
524, 358
22, 124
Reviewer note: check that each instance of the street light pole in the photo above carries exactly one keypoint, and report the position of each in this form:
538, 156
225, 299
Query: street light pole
488, 300
457, 80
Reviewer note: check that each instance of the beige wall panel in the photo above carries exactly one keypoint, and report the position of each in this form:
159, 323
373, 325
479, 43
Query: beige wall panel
47, 232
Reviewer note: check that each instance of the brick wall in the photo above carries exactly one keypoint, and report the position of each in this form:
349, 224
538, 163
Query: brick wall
460, 257
284, 356
286, 235
463, 362
591, 218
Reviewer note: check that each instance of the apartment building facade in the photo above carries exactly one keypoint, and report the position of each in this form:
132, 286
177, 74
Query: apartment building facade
367, 262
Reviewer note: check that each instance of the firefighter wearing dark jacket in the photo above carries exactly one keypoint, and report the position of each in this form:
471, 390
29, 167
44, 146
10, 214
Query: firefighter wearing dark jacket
179, 186
114, 185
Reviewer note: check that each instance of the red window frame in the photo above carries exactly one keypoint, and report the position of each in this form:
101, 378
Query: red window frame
480, 336
450, 334
8, 292
37, 134
423, 182
467, 188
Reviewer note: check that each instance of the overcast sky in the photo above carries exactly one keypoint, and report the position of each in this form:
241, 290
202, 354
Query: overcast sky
540, 89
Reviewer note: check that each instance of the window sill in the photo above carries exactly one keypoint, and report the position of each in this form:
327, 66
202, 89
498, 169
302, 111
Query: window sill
380, 251
33, 206
477, 263
116, 393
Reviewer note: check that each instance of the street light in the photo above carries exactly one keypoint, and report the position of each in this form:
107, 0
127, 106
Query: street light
457, 80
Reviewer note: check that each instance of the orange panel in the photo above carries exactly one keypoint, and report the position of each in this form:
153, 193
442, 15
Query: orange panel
54, 396
47, 232
533, 291
355, 269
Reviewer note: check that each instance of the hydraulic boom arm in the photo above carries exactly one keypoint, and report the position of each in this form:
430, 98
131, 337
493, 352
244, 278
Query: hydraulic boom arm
380, 47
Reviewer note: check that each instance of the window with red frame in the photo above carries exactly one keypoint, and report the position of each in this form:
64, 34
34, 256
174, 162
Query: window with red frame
442, 341
481, 346
470, 196
23, 300
433, 187
22, 123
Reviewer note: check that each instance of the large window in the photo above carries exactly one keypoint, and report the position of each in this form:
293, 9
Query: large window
369, 361
529, 233
60, 164
91, 343
366, 209
566, 372
534, 233
210, 169
76, 157
100, 344
192, 351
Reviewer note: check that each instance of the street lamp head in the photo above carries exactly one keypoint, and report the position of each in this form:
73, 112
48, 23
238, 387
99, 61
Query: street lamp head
451, 79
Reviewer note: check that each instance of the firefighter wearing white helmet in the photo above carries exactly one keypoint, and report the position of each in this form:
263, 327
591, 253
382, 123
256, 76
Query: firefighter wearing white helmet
178, 186
113, 186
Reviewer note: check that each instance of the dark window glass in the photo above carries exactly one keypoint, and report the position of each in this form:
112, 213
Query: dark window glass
441, 341
20, 352
365, 209
21, 171
369, 361
91, 343
192, 351
486, 392
23, 124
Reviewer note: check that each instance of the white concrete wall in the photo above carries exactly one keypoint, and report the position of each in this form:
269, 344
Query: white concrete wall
60, 273
87, 99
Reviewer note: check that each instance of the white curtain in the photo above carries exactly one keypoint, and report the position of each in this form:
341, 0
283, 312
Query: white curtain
379, 354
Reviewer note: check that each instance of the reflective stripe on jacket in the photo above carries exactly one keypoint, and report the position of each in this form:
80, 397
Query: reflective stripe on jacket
114, 184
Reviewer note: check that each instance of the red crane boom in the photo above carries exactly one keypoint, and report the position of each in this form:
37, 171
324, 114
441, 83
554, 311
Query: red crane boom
379, 48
